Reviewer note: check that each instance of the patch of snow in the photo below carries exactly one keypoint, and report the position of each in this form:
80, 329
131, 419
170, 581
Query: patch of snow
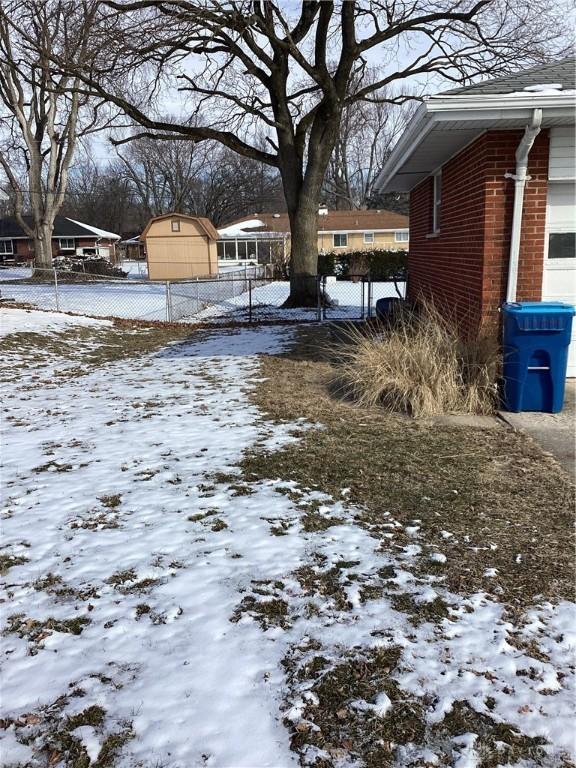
12, 751
196, 687
89, 740
14, 273
382, 705
437, 557
36, 321
468, 757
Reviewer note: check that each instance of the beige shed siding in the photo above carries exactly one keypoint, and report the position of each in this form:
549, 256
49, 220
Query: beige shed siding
179, 255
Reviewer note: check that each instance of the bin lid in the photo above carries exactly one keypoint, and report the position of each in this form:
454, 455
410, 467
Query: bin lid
539, 308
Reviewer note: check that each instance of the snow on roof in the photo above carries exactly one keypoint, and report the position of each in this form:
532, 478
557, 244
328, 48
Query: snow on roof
96, 230
239, 229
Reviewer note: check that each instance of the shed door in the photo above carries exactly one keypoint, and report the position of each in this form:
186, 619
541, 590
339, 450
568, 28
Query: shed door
559, 282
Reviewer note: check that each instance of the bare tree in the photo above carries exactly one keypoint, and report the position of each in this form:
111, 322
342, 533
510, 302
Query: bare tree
42, 112
205, 179
98, 195
161, 175
368, 131
286, 68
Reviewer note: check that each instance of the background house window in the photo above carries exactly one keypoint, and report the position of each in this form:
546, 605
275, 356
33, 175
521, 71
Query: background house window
368, 237
437, 200
341, 240
6, 248
401, 237
175, 226
66, 243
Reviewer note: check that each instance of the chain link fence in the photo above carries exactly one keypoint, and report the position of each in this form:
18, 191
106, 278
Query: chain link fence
247, 295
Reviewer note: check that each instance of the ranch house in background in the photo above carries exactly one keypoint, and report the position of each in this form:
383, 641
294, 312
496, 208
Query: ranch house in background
256, 238
69, 238
491, 171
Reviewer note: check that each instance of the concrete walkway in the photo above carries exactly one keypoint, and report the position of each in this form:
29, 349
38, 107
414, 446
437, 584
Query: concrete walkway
555, 432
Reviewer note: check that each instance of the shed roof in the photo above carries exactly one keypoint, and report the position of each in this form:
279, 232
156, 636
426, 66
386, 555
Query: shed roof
205, 224
332, 221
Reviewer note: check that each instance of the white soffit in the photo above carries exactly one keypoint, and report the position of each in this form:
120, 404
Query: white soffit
443, 126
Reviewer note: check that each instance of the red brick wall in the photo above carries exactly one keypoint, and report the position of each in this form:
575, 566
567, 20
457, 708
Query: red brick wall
465, 266
24, 249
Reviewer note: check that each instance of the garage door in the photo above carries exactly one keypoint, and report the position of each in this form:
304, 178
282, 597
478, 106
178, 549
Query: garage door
559, 282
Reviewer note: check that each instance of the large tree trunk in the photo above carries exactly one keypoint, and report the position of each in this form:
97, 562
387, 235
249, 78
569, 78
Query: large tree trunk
303, 256
43, 247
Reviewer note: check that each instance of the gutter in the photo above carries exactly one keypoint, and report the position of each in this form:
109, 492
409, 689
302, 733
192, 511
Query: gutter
520, 179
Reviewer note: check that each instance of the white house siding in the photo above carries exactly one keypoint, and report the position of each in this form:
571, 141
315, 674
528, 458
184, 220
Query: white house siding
562, 153
559, 283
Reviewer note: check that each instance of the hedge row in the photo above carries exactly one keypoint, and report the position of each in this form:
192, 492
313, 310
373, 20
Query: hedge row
380, 264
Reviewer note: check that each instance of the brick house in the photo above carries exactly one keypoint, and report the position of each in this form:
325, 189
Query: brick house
69, 237
491, 171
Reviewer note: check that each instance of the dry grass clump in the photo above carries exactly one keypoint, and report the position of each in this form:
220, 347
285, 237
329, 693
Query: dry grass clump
420, 365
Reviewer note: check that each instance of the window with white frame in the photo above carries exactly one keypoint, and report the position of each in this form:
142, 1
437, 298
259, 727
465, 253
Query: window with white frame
401, 237
175, 224
66, 243
368, 237
437, 201
561, 221
6, 247
226, 250
340, 240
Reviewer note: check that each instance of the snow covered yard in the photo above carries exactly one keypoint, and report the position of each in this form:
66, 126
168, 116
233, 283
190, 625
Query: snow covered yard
208, 562
214, 301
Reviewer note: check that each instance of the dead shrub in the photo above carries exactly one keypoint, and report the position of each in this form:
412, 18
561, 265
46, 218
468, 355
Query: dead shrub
420, 365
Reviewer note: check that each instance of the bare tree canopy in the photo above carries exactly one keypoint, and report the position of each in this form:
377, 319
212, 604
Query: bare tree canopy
286, 69
368, 131
205, 179
43, 115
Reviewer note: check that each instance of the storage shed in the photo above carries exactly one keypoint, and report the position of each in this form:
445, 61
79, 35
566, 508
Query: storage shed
179, 246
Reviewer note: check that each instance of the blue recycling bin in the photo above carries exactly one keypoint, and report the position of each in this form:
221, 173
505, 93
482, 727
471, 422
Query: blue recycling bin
536, 340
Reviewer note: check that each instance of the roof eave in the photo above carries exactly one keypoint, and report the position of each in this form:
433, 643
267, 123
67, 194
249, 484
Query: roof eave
420, 125
472, 109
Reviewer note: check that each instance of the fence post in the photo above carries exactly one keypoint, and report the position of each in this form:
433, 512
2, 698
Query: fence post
168, 302
319, 298
249, 299
56, 290
370, 295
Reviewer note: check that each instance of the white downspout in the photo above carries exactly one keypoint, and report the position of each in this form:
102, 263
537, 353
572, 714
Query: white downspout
520, 179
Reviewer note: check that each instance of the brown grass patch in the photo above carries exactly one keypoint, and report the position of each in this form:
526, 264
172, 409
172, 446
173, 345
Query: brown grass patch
419, 365
494, 490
